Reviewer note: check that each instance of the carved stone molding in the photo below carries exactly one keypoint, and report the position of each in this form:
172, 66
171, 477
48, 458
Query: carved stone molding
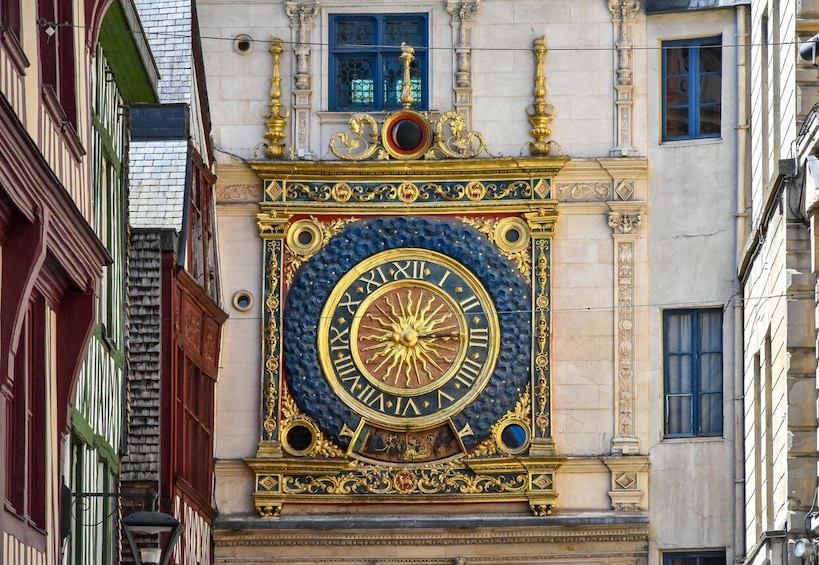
583, 191
623, 13
381, 540
302, 16
626, 491
462, 13
624, 225
239, 193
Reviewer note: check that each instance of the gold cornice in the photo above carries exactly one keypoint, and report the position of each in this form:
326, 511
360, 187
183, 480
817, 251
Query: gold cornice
397, 208
379, 170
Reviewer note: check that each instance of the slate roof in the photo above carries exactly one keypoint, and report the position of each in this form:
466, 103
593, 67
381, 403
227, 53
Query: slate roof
157, 178
167, 24
664, 6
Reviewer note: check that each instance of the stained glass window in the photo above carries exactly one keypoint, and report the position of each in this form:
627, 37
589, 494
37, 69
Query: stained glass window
365, 70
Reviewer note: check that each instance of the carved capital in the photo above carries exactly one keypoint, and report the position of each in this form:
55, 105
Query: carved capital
301, 16
462, 11
542, 223
624, 223
271, 225
623, 9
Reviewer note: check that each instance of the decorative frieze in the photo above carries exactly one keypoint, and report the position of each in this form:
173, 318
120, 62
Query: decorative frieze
624, 225
272, 229
542, 226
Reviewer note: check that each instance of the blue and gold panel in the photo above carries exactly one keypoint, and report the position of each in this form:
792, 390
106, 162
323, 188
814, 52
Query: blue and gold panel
405, 325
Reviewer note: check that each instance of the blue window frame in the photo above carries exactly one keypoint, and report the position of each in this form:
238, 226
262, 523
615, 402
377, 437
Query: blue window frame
692, 364
366, 74
695, 558
692, 88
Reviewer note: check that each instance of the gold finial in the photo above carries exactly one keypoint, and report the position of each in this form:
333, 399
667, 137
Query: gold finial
541, 111
278, 114
407, 57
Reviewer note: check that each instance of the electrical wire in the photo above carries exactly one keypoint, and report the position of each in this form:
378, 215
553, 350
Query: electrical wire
572, 49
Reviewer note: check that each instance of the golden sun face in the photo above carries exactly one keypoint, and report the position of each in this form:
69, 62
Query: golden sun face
409, 337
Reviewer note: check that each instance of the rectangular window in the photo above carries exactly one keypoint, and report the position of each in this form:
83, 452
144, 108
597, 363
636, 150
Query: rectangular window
26, 455
692, 351
56, 45
10, 16
365, 70
692, 88
691, 558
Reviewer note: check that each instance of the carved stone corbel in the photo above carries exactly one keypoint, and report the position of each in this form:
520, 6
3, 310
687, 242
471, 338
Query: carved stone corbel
626, 491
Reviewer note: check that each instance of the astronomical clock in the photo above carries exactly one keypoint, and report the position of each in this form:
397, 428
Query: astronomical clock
407, 321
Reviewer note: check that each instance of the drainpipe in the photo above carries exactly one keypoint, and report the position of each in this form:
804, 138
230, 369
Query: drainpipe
739, 340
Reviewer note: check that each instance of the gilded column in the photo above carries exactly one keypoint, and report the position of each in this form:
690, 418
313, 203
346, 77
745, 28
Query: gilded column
302, 16
463, 13
622, 15
272, 229
624, 224
542, 226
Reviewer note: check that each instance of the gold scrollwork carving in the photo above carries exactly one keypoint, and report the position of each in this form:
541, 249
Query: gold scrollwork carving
388, 481
322, 233
454, 140
542, 418
320, 446
497, 231
271, 366
520, 414
361, 141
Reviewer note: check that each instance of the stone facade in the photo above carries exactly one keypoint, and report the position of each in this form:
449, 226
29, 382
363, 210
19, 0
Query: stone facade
635, 227
777, 269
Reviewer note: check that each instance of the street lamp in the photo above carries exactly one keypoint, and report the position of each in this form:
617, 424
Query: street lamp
151, 523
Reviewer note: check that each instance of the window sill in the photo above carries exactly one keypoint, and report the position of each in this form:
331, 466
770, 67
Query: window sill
11, 45
691, 142
328, 117
66, 128
11, 511
690, 439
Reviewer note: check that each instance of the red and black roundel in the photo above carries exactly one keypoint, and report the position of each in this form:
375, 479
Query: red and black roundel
406, 134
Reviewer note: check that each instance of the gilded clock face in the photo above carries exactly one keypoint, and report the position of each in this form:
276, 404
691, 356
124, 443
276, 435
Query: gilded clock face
408, 337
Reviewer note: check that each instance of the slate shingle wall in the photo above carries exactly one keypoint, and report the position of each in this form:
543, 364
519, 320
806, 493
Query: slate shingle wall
141, 461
